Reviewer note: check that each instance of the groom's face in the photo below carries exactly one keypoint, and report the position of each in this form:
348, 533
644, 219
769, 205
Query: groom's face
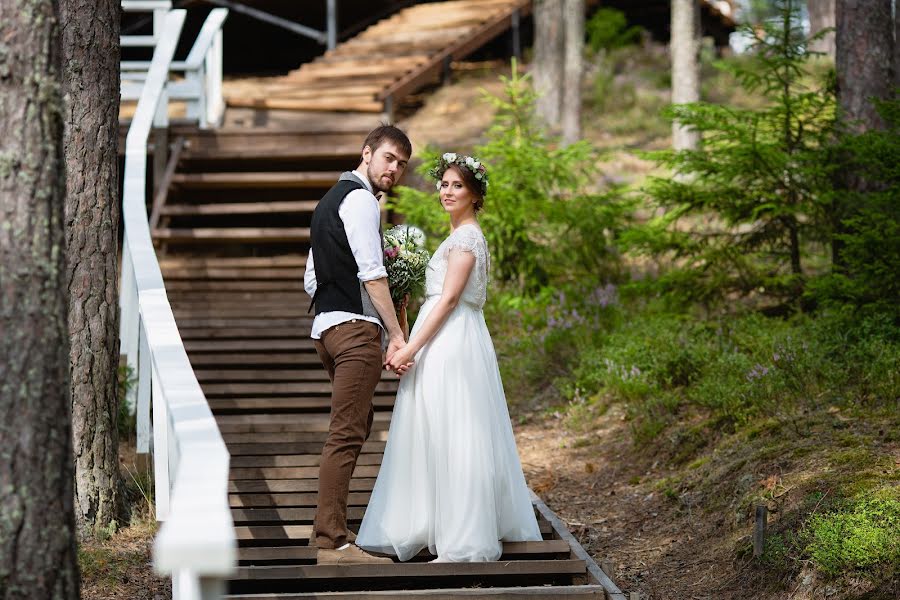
384, 165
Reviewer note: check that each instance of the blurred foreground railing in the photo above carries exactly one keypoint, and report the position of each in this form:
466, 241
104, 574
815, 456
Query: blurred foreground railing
196, 544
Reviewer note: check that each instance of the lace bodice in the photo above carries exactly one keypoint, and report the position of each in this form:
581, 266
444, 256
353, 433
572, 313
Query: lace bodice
470, 239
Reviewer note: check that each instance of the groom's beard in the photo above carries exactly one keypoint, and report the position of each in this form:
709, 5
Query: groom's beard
375, 180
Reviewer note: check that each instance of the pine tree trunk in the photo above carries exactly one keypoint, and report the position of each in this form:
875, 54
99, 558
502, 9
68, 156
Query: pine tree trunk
573, 68
37, 540
821, 15
91, 85
684, 47
865, 51
549, 47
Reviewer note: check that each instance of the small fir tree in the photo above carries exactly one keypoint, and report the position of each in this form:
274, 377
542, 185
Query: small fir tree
742, 214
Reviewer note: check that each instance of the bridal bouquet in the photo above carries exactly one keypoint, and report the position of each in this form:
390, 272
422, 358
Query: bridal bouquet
405, 259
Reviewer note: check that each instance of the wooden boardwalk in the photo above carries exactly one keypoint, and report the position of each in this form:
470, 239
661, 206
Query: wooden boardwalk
388, 61
233, 231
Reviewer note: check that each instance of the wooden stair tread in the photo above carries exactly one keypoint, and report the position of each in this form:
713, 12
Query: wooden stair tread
286, 403
240, 208
257, 179
410, 569
544, 592
308, 553
226, 234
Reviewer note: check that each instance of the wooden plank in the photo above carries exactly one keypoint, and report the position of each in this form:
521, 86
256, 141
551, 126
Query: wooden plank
288, 515
233, 234
269, 438
248, 345
291, 486
380, 402
241, 208
271, 448
245, 262
268, 179
333, 104
281, 473
212, 359
202, 285
511, 550
308, 499
294, 460
543, 592
287, 427
299, 388
404, 570
211, 273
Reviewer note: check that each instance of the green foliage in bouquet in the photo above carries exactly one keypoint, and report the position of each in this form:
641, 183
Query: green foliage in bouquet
406, 260
749, 212
540, 223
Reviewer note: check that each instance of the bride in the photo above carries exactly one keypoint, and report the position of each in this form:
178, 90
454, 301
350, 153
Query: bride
451, 479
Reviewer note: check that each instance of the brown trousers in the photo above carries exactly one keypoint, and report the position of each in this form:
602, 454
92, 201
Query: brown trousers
351, 353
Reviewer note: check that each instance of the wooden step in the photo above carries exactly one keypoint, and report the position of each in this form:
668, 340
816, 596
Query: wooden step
232, 234
293, 437
267, 345
284, 473
240, 208
308, 499
266, 179
414, 570
241, 262
171, 274
253, 448
274, 389
293, 460
263, 516
323, 404
278, 486
544, 592
307, 554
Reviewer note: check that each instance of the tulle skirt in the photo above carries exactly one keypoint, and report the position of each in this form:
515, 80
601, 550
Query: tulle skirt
450, 480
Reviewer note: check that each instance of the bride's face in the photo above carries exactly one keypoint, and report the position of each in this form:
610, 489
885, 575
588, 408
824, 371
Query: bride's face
456, 198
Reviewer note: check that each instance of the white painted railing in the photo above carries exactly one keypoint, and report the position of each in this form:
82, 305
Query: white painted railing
196, 544
201, 85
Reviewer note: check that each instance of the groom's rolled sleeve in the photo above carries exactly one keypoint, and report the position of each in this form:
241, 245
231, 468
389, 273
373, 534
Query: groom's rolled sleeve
362, 216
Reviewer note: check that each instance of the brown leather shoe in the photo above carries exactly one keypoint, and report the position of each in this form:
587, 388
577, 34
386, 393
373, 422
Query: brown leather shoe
351, 555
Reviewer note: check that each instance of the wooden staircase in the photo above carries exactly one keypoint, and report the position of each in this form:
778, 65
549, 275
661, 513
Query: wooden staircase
376, 69
232, 225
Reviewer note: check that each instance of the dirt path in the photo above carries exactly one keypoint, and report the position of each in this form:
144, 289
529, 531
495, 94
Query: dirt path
609, 496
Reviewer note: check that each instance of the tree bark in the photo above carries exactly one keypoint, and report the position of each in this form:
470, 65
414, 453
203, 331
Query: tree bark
548, 60
91, 84
684, 47
573, 68
821, 15
864, 55
37, 541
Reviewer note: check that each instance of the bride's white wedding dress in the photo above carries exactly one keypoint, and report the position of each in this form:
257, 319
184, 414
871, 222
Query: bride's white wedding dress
451, 479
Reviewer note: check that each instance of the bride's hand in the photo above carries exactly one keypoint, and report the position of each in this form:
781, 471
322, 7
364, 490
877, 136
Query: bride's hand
400, 361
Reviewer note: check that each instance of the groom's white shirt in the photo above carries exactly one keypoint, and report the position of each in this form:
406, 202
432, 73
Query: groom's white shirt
361, 214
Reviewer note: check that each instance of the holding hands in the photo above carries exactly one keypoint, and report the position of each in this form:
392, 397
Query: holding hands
398, 357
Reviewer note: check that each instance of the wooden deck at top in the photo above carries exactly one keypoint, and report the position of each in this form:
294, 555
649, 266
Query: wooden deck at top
386, 62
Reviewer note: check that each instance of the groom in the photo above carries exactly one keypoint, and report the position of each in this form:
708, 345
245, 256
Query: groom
349, 288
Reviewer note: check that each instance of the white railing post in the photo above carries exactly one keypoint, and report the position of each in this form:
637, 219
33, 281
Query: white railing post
129, 318
142, 416
215, 102
160, 450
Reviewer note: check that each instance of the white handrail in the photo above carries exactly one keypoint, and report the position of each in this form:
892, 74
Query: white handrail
202, 84
196, 544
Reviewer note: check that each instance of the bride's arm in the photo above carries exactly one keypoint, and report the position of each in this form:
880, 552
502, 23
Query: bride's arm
459, 266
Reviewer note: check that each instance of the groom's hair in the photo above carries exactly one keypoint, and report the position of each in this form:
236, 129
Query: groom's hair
388, 133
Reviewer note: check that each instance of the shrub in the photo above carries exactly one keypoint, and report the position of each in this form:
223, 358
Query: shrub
862, 535
539, 222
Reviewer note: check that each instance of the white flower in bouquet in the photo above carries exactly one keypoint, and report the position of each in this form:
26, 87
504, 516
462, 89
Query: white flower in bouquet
405, 259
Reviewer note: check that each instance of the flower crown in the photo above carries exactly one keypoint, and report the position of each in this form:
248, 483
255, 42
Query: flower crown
470, 162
